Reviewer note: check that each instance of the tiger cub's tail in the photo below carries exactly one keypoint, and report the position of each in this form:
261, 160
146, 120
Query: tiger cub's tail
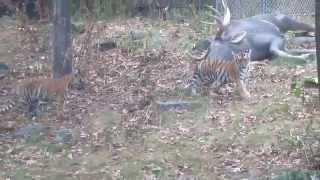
6, 107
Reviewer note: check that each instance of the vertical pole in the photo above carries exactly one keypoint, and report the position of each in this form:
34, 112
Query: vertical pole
218, 5
214, 3
61, 39
318, 40
263, 6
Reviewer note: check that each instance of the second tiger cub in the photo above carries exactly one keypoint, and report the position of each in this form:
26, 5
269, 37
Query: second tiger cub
31, 92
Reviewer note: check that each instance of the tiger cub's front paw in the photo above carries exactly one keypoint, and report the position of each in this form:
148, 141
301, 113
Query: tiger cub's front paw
245, 95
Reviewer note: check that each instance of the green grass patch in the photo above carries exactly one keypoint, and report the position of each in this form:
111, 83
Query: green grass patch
290, 62
299, 175
19, 174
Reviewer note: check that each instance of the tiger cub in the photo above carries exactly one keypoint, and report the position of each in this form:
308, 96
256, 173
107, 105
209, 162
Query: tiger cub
32, 92
218, 72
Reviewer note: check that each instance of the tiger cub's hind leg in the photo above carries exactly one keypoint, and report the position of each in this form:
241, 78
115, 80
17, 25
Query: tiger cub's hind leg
7, 106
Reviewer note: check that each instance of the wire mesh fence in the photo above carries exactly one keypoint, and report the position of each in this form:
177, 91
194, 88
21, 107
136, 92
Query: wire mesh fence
245, 8
184, 8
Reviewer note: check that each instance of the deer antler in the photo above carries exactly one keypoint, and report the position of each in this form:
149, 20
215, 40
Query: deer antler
227, 14
223, 21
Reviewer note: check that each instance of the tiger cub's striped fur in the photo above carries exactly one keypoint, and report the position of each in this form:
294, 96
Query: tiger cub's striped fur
32, 92
218, 72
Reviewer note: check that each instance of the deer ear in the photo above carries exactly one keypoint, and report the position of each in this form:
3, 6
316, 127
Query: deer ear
238, 37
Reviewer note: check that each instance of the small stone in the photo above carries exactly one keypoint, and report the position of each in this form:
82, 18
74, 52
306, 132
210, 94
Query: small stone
64, 136
177, 105
35, 129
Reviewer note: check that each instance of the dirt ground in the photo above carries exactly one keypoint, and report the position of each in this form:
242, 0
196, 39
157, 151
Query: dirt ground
119, 130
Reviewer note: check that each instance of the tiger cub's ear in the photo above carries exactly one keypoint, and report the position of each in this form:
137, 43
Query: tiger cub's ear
237, 56
242, 56
246, 53
234, 55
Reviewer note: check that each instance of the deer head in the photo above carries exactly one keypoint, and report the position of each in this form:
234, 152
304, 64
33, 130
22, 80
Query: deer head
223, 21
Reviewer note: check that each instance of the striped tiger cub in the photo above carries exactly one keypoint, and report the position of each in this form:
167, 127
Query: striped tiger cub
218, 72
32, 92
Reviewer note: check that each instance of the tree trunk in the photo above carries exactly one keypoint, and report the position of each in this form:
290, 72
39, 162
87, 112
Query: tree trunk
318, 40
62, 50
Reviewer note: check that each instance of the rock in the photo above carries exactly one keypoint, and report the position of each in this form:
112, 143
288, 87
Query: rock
176, 105
35, 129
106, 45
136, 35
64, 136
4, 70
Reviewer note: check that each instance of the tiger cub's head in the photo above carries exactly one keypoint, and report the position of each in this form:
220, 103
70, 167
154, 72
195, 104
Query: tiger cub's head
242, 57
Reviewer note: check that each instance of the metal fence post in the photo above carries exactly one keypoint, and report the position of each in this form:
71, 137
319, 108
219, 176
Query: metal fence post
317, 6
218, 4
263, 6
214, 4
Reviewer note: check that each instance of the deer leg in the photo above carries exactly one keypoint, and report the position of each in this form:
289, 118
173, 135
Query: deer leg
276, 49
42, 4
